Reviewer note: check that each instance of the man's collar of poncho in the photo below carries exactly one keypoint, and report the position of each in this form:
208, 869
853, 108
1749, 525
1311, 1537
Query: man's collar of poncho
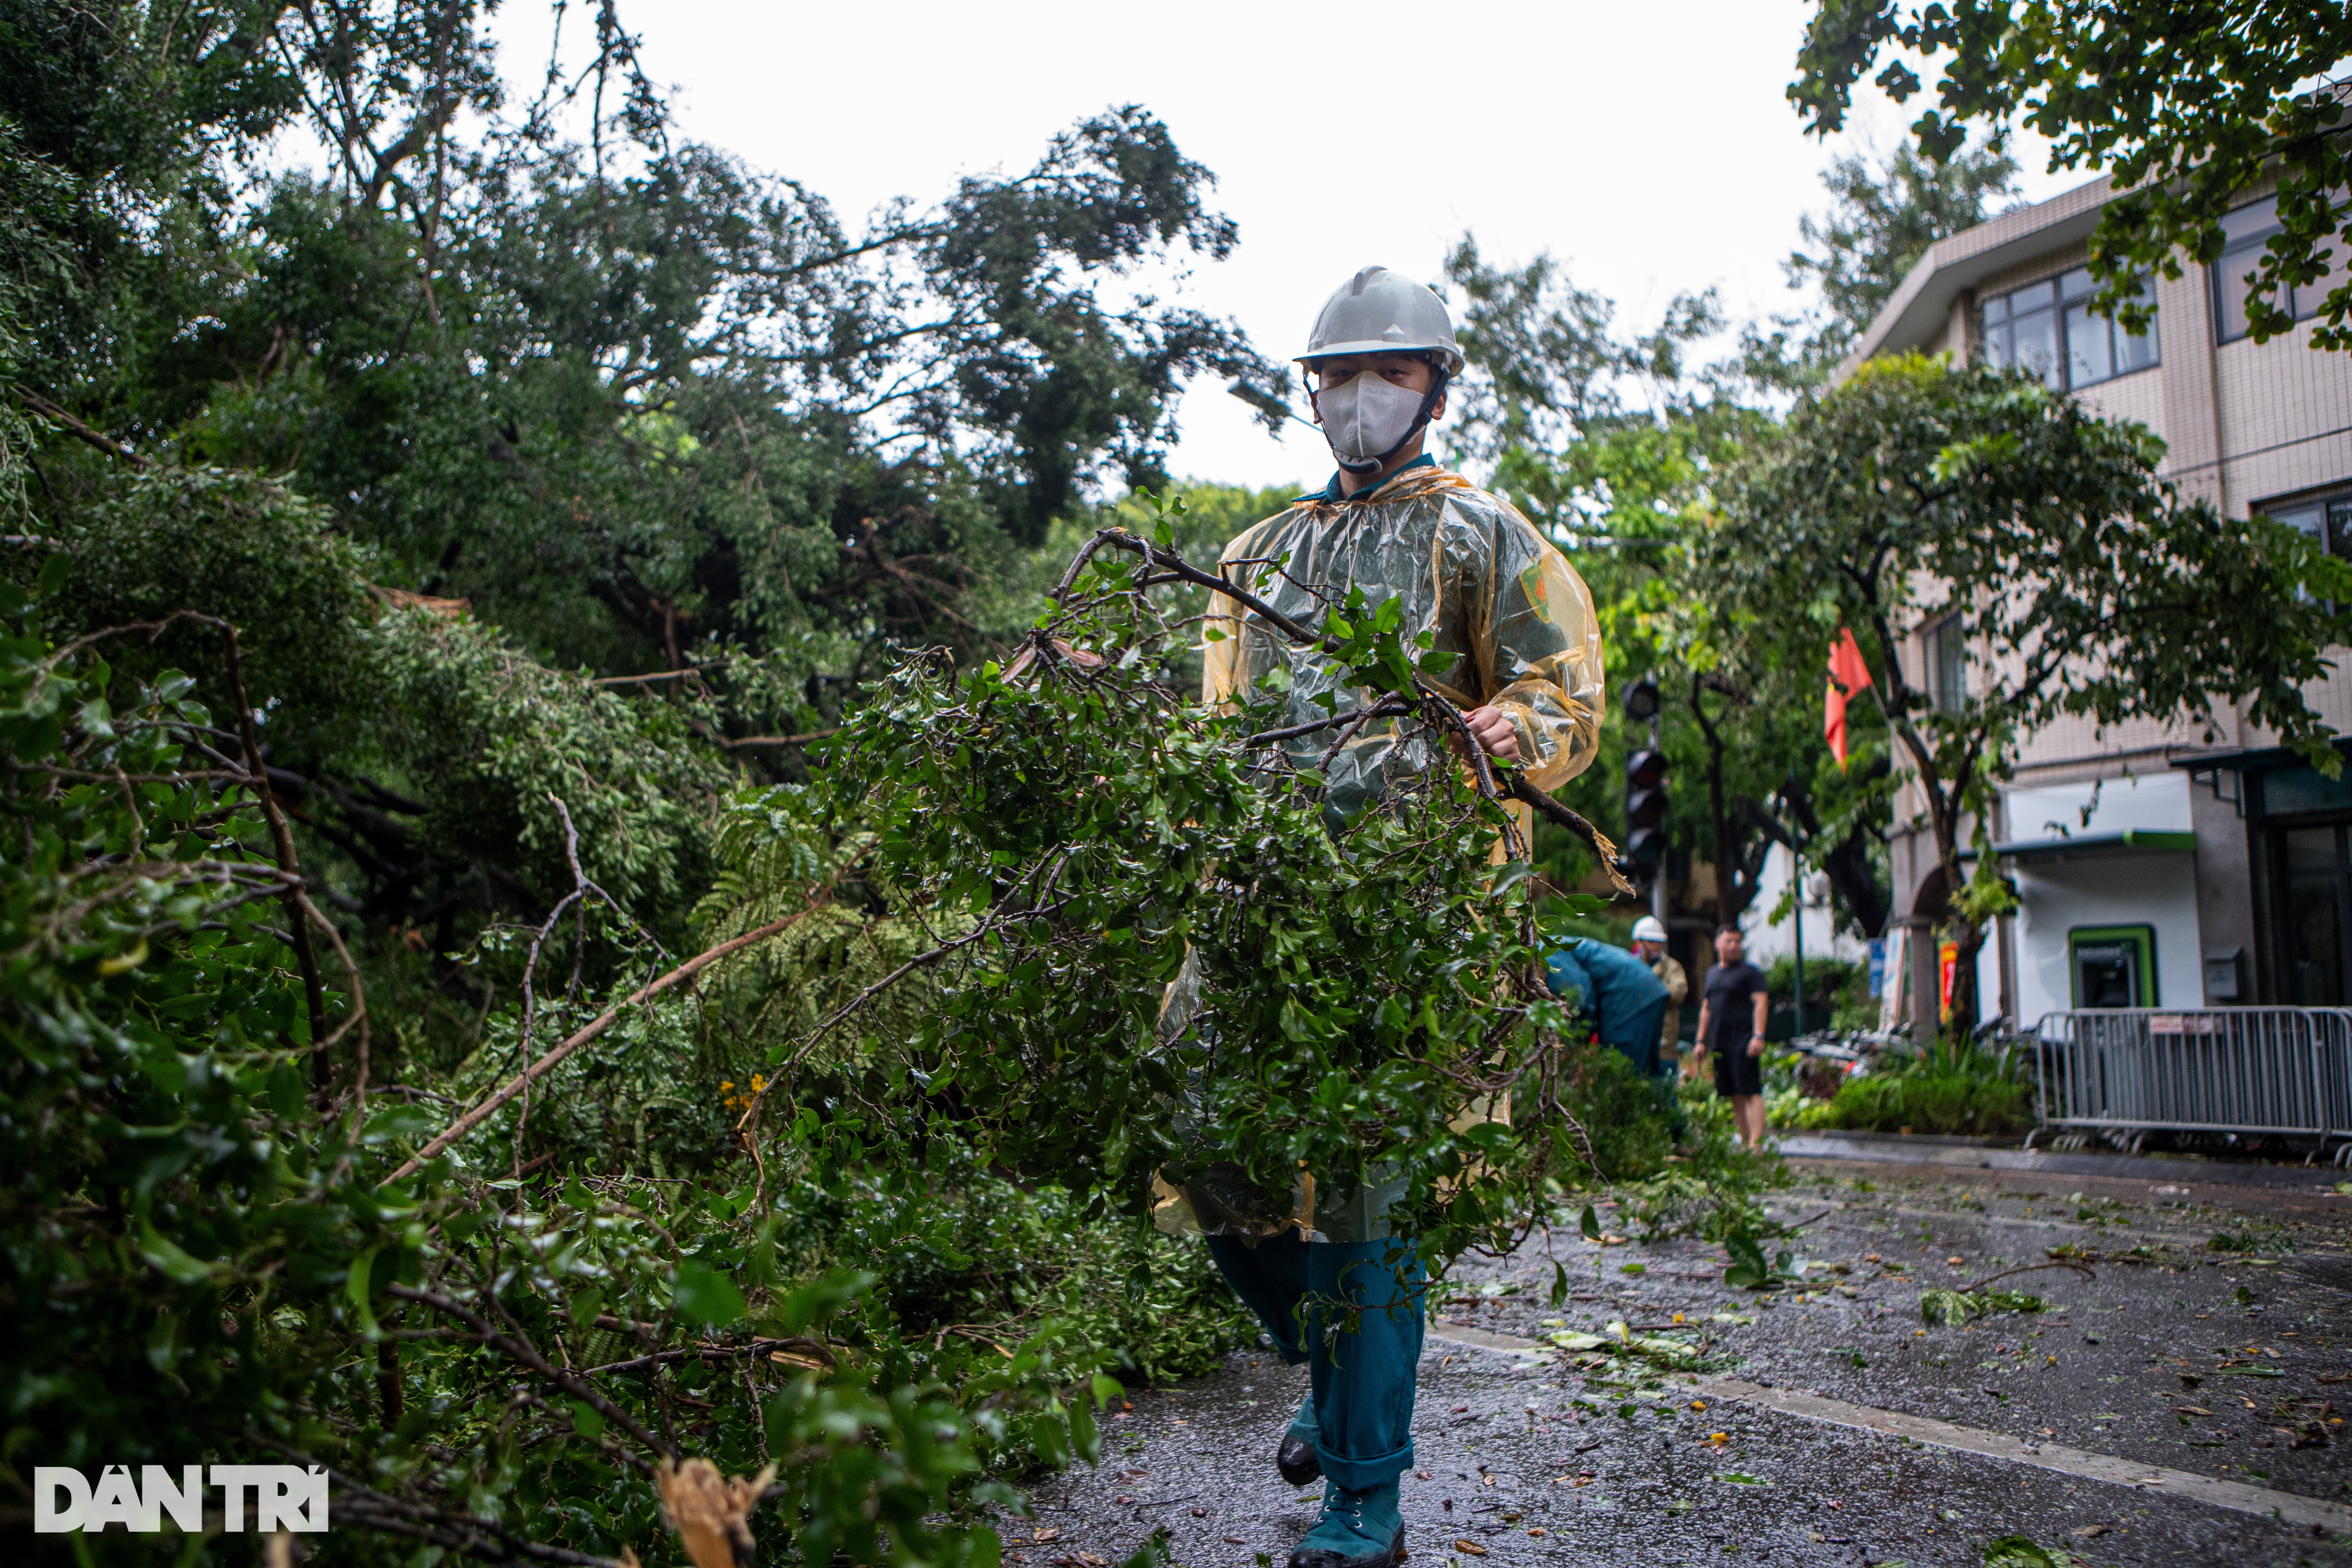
1434, 478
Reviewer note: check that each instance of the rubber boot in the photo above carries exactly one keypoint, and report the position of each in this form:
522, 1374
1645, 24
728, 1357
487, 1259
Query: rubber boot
1357, 1530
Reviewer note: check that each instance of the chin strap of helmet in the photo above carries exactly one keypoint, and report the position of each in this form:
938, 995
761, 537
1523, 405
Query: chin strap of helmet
1437, 380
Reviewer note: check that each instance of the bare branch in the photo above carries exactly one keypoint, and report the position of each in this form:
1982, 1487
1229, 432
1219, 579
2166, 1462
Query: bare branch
603, 1021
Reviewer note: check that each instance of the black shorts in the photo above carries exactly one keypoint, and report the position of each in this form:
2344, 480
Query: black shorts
1737, 1072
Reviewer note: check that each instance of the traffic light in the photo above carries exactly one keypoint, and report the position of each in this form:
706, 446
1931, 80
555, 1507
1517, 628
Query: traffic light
1645, 810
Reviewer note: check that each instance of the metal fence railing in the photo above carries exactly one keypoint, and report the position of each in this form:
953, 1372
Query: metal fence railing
2249, 1070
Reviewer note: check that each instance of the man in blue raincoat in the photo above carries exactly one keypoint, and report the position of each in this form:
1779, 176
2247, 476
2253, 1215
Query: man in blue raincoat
1616, 990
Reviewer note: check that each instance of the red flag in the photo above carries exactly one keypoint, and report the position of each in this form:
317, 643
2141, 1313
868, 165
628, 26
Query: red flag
1848, 675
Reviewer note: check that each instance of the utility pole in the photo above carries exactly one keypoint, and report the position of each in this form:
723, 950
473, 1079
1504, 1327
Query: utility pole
1658, 899
1798, 883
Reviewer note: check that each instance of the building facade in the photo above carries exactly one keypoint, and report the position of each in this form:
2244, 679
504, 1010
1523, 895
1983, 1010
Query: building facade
2156, 865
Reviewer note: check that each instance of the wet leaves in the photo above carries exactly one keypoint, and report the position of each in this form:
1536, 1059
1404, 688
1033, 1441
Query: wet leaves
1951, 1308
2021, 1552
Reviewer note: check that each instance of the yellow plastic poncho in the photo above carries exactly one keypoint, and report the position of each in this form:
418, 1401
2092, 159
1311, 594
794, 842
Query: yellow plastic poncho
1490, 590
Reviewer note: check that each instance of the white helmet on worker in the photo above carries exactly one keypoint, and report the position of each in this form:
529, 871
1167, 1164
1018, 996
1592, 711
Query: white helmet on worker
1649, 929
1367, 419
1378, 312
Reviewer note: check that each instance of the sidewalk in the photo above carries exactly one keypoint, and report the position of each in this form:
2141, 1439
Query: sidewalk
1991, 1154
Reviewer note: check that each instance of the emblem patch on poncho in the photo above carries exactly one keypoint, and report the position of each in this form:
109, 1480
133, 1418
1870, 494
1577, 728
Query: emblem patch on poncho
1538, 590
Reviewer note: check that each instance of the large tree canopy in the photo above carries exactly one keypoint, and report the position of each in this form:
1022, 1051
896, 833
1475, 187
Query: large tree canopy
2192, 108
2037, 534
636, 409
1881, 221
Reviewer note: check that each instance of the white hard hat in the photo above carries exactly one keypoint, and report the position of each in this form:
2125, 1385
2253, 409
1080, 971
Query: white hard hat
1380, 311
1647, 928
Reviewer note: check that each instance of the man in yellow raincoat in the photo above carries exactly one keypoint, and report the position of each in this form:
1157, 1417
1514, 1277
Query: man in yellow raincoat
1491, 589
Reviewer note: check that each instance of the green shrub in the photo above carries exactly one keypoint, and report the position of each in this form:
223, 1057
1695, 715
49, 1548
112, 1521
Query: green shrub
1931, 1102
204, 1258
1623, 1113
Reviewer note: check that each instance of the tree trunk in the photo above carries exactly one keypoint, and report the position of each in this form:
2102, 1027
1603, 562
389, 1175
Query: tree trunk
1969, 936
1855, 880
1735, 874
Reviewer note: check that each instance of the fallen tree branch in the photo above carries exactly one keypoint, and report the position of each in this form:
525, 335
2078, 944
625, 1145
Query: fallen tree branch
359, 1010
757, 1347
1553, 811
524, 1351
357, 1503
1384, 711
80, 431
778, 739
540, 1069
659, 675
314, 988
920, 961
2085, 1270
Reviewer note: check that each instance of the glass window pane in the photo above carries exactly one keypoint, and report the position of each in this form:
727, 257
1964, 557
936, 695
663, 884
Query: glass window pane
2090, 348
1947, 657
2309, 296
2229, 294
2137, 352
2339, 528
2075, 284
1996, 309
2315, 936
2034, 345
1996, 346
2253, 221
2305, 517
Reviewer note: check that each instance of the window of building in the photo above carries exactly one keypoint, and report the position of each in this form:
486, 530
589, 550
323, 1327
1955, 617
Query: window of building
1948, 664
2327, 519
2246, 233
2049, 328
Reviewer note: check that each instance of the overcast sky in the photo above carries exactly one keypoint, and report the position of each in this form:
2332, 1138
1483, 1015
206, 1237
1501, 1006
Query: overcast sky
1649, 147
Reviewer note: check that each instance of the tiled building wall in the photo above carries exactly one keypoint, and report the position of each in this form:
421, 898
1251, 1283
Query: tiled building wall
2244, 423
2286, 416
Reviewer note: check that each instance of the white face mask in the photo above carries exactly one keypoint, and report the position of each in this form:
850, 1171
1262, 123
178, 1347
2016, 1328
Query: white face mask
1365, 416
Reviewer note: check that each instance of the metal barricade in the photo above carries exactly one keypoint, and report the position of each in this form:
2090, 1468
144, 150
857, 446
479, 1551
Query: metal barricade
2256, 1070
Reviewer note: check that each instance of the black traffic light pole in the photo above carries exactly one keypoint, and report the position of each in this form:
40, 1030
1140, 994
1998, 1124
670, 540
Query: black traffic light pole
1658, 899
1798, 867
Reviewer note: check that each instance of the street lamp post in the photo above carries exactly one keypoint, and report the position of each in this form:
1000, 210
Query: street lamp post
1797, 885
1658, 882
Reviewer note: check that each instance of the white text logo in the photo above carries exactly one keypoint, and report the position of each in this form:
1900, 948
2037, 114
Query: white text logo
284, 1497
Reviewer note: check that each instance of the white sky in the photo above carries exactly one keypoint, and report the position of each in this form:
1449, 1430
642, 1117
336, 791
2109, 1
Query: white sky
1649, 147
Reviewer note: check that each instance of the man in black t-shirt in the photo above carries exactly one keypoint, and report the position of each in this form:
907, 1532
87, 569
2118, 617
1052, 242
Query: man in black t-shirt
1731, 1029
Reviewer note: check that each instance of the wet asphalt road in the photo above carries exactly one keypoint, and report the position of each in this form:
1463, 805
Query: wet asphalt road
2223, 1362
